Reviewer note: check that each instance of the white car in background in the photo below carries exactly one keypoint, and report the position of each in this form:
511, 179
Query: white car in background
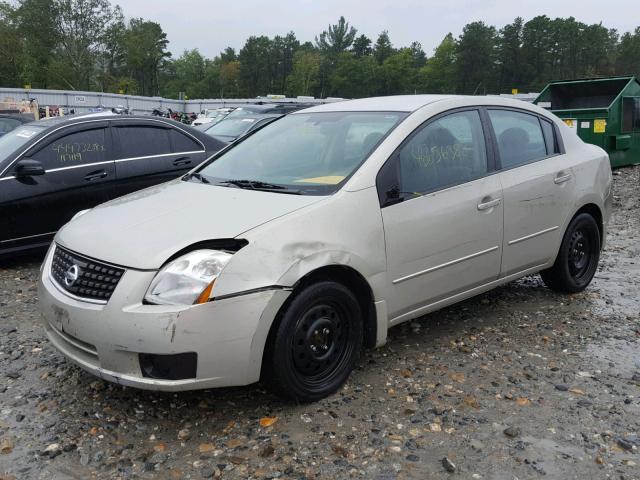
285, 254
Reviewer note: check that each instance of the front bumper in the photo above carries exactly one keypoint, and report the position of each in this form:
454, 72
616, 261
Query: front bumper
227, 335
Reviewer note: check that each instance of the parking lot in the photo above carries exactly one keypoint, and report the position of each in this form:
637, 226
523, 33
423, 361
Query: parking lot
517, 383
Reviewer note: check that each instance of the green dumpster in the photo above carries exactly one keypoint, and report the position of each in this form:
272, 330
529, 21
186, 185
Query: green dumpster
602, 111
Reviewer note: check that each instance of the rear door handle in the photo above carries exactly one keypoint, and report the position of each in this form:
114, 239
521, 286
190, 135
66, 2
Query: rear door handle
489, 204
181, 161
561, 178
95, 175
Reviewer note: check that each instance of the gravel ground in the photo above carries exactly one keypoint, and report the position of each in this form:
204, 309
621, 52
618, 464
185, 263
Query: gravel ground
517, 383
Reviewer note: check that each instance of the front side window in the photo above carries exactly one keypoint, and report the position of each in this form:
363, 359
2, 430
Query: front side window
142, 141
447, 151
309, 153
78, 148
519, 136
12, 141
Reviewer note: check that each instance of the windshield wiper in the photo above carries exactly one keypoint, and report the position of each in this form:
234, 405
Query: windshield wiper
259, 185
195, 175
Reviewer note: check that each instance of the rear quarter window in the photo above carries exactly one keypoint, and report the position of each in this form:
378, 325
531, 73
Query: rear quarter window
183, 143
550, 137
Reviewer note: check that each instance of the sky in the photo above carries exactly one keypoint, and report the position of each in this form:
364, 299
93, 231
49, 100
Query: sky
212, 25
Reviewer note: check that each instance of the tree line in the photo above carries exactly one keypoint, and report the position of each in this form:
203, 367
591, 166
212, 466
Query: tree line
88, 45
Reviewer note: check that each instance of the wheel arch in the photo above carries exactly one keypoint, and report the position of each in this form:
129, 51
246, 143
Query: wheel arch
596, 212
345, 275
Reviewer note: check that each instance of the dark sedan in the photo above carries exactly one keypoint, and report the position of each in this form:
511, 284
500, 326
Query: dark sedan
51, 169
267, 108
230, 129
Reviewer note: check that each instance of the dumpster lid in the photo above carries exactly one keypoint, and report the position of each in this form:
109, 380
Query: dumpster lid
588, 93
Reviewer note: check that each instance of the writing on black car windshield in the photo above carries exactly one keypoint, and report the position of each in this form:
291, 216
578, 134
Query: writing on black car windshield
308, 152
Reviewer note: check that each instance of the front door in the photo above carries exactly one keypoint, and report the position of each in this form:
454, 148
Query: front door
443, 230
78, 174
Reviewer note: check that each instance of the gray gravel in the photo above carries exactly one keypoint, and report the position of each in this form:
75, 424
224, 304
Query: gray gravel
517, 383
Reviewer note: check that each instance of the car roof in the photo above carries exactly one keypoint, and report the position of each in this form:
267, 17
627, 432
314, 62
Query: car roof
254, 107
79, 119
411, 103
255, 116
393, 103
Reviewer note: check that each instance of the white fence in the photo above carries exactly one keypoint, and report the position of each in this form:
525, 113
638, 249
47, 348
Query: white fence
82, 102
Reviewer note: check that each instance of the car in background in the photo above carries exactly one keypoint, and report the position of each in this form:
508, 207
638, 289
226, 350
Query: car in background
284, 255
9, 122
279, 108
51, 169
211, 116
230, 129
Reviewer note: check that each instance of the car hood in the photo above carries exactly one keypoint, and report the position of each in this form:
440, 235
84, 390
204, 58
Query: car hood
143, 229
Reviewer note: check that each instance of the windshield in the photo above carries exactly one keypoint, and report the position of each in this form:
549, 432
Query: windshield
231, 127
15, 139
309, 153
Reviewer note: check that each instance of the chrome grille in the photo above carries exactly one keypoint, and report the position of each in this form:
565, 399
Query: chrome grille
84, 277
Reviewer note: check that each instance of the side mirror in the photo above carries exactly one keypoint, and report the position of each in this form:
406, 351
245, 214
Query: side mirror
28, 168
392, 196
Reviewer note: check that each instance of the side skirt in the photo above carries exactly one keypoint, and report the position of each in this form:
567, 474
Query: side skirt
418, 312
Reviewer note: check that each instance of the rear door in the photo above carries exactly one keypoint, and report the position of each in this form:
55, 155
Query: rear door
538, 185
79, 172
148, 153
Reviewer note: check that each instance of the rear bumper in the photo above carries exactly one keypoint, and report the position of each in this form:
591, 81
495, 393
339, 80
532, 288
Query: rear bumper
228, 335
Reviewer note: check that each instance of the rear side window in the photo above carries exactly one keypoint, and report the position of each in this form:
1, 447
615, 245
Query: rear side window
142, 141
448, 151
519, 136
183, 143
78, 148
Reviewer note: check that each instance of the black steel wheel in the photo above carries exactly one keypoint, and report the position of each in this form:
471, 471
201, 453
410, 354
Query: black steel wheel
578, 258
317, 342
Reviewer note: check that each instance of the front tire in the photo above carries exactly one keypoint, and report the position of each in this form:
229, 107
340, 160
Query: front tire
577, 260
316, 344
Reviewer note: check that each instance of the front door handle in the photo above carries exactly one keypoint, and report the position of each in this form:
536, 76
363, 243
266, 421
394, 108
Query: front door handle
95, 175
489, 204
181, 161
561, 178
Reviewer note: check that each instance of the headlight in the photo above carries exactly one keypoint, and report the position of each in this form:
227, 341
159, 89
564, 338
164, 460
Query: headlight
188, 279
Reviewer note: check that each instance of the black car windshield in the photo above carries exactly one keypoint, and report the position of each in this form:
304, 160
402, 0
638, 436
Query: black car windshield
309, 153
232, 127
12, 141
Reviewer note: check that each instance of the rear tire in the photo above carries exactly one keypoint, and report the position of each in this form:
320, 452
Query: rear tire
316, 344
577, 260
